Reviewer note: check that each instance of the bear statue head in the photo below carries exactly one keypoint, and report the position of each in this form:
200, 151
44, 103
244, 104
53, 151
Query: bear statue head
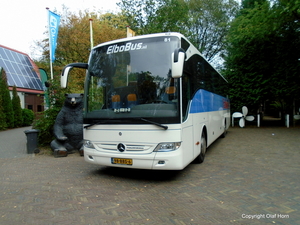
73, 100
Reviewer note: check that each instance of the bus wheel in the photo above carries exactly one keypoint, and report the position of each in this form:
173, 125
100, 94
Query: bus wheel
225, 131
201, 156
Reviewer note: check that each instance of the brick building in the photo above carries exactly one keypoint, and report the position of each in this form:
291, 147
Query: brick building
22, 72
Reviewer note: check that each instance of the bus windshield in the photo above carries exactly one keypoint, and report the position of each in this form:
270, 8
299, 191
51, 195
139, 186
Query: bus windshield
132, 80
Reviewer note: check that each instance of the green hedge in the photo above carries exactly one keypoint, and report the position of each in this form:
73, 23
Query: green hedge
28, 117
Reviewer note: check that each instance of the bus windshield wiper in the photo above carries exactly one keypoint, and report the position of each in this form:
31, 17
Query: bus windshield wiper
145, 120
100, 122
157, 124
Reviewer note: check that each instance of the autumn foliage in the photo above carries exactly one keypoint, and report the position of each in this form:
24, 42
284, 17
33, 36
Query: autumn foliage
74, 45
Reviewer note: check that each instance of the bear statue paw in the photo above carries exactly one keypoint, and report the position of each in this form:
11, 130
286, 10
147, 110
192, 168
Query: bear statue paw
60, 153
81, 152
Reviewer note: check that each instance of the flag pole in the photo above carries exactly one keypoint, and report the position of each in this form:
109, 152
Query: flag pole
50, 44
92, 45
91, 34
130, 33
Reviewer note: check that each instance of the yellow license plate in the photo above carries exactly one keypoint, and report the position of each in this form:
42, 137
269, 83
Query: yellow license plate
121, 161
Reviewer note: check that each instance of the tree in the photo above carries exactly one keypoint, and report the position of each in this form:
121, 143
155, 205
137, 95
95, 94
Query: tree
73, 43
199, 20
16, 105
262, 63
247, 53
208, 26
6, 100
155, 16
138, 13
250, 4
2, 114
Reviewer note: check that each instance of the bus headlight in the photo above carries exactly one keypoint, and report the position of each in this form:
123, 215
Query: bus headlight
88, 144
166, 147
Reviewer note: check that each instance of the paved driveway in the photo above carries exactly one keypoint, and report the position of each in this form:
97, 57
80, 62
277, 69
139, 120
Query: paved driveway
250, 177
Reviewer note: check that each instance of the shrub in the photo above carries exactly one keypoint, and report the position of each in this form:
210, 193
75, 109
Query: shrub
2, 116
6, 100
28, 117
45, 125
16, 105
47, 118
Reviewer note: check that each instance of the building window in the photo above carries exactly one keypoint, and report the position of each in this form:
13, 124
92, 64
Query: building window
39, 108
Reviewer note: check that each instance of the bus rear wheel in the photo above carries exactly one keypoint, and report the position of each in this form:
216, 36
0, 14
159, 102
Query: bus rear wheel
224, 133
201, 156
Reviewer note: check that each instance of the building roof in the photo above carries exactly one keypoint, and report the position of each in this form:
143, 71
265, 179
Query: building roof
20, 70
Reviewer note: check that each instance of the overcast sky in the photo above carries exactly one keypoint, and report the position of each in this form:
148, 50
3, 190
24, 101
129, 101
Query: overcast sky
23, 21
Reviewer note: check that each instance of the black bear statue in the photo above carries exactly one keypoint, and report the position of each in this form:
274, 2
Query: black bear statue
68, 130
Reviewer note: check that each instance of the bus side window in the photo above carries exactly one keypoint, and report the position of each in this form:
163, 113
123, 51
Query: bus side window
186, 95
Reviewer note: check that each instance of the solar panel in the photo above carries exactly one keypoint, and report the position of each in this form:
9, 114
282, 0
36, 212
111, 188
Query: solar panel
19, 70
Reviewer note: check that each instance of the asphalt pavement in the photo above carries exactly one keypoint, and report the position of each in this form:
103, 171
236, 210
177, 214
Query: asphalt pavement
13, 143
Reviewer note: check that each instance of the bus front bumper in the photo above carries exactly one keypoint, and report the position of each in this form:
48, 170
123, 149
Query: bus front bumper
156, 160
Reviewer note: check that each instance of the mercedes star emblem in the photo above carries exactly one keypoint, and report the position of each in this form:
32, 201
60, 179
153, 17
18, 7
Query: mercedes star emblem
121, 147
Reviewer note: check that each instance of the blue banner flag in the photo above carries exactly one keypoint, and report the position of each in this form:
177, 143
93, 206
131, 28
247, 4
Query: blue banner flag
54, 20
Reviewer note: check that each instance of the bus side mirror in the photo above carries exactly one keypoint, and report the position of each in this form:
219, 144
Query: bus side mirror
178, 58
67, 69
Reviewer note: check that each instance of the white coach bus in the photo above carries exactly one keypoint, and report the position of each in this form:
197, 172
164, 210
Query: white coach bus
150, 102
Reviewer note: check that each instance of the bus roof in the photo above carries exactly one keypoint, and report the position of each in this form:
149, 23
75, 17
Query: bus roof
141, 37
